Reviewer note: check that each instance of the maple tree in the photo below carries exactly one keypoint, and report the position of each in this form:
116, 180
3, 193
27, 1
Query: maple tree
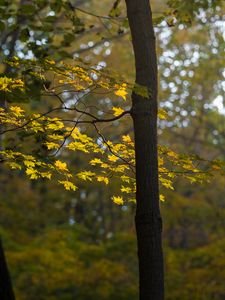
60, 129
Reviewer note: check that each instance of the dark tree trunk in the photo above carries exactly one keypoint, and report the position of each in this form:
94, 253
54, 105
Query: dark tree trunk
144, 112
6, 290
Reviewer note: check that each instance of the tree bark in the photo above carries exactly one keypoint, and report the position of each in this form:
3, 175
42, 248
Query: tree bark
6, 290
144, 113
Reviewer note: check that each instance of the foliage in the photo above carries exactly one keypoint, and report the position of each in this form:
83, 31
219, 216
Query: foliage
60, 130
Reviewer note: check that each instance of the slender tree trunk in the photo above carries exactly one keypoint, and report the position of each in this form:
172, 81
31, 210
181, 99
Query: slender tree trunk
144, 112
6, 290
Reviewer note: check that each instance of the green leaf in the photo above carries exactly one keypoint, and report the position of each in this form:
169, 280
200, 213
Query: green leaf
28, 9
141, 90
24, 35
115, 11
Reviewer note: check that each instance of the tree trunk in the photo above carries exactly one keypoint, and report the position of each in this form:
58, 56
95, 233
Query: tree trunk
6, 290
144, 112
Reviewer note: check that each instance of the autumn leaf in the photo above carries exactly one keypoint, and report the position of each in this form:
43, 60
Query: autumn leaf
95, 161
126, 139
117, 200
161, 197
68, 185
14, 165
162, 114
62, 166
121, 90
103, 179
126, 189
112, 158
9, 84
29, 163
51, 145
86, 175
117, 111
32, 173
17, 111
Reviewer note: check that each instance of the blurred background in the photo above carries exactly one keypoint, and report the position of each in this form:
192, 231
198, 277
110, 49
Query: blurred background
80, 245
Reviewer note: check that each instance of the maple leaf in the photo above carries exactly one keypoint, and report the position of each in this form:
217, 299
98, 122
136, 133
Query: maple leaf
95, 161
103, 179
121, 90
117, 200
17, 111
112, 158
29, 163
161, 197
32, 173
126, 138
126, 189
51, 145
68, 185
62, 166
162, 114
86, 175
117, 111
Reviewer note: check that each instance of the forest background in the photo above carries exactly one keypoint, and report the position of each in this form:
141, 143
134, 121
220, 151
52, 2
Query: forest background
80, 244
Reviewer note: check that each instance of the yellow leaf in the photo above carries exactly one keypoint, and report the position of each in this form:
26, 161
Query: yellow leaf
166, 183
68, 185
104, 166
161, 197
10, 84
29, 163
95, 161
112, 158
126, 189
103, 179
51, 145
62, 166
172, 154
17, 111
14, 165
36, 126
86, 175
55, 124
46, 175
117, 200
126, 138
77, 146
117, 111
162, 114
125, 178
50, 61
55, 136
121, 91
32, 173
